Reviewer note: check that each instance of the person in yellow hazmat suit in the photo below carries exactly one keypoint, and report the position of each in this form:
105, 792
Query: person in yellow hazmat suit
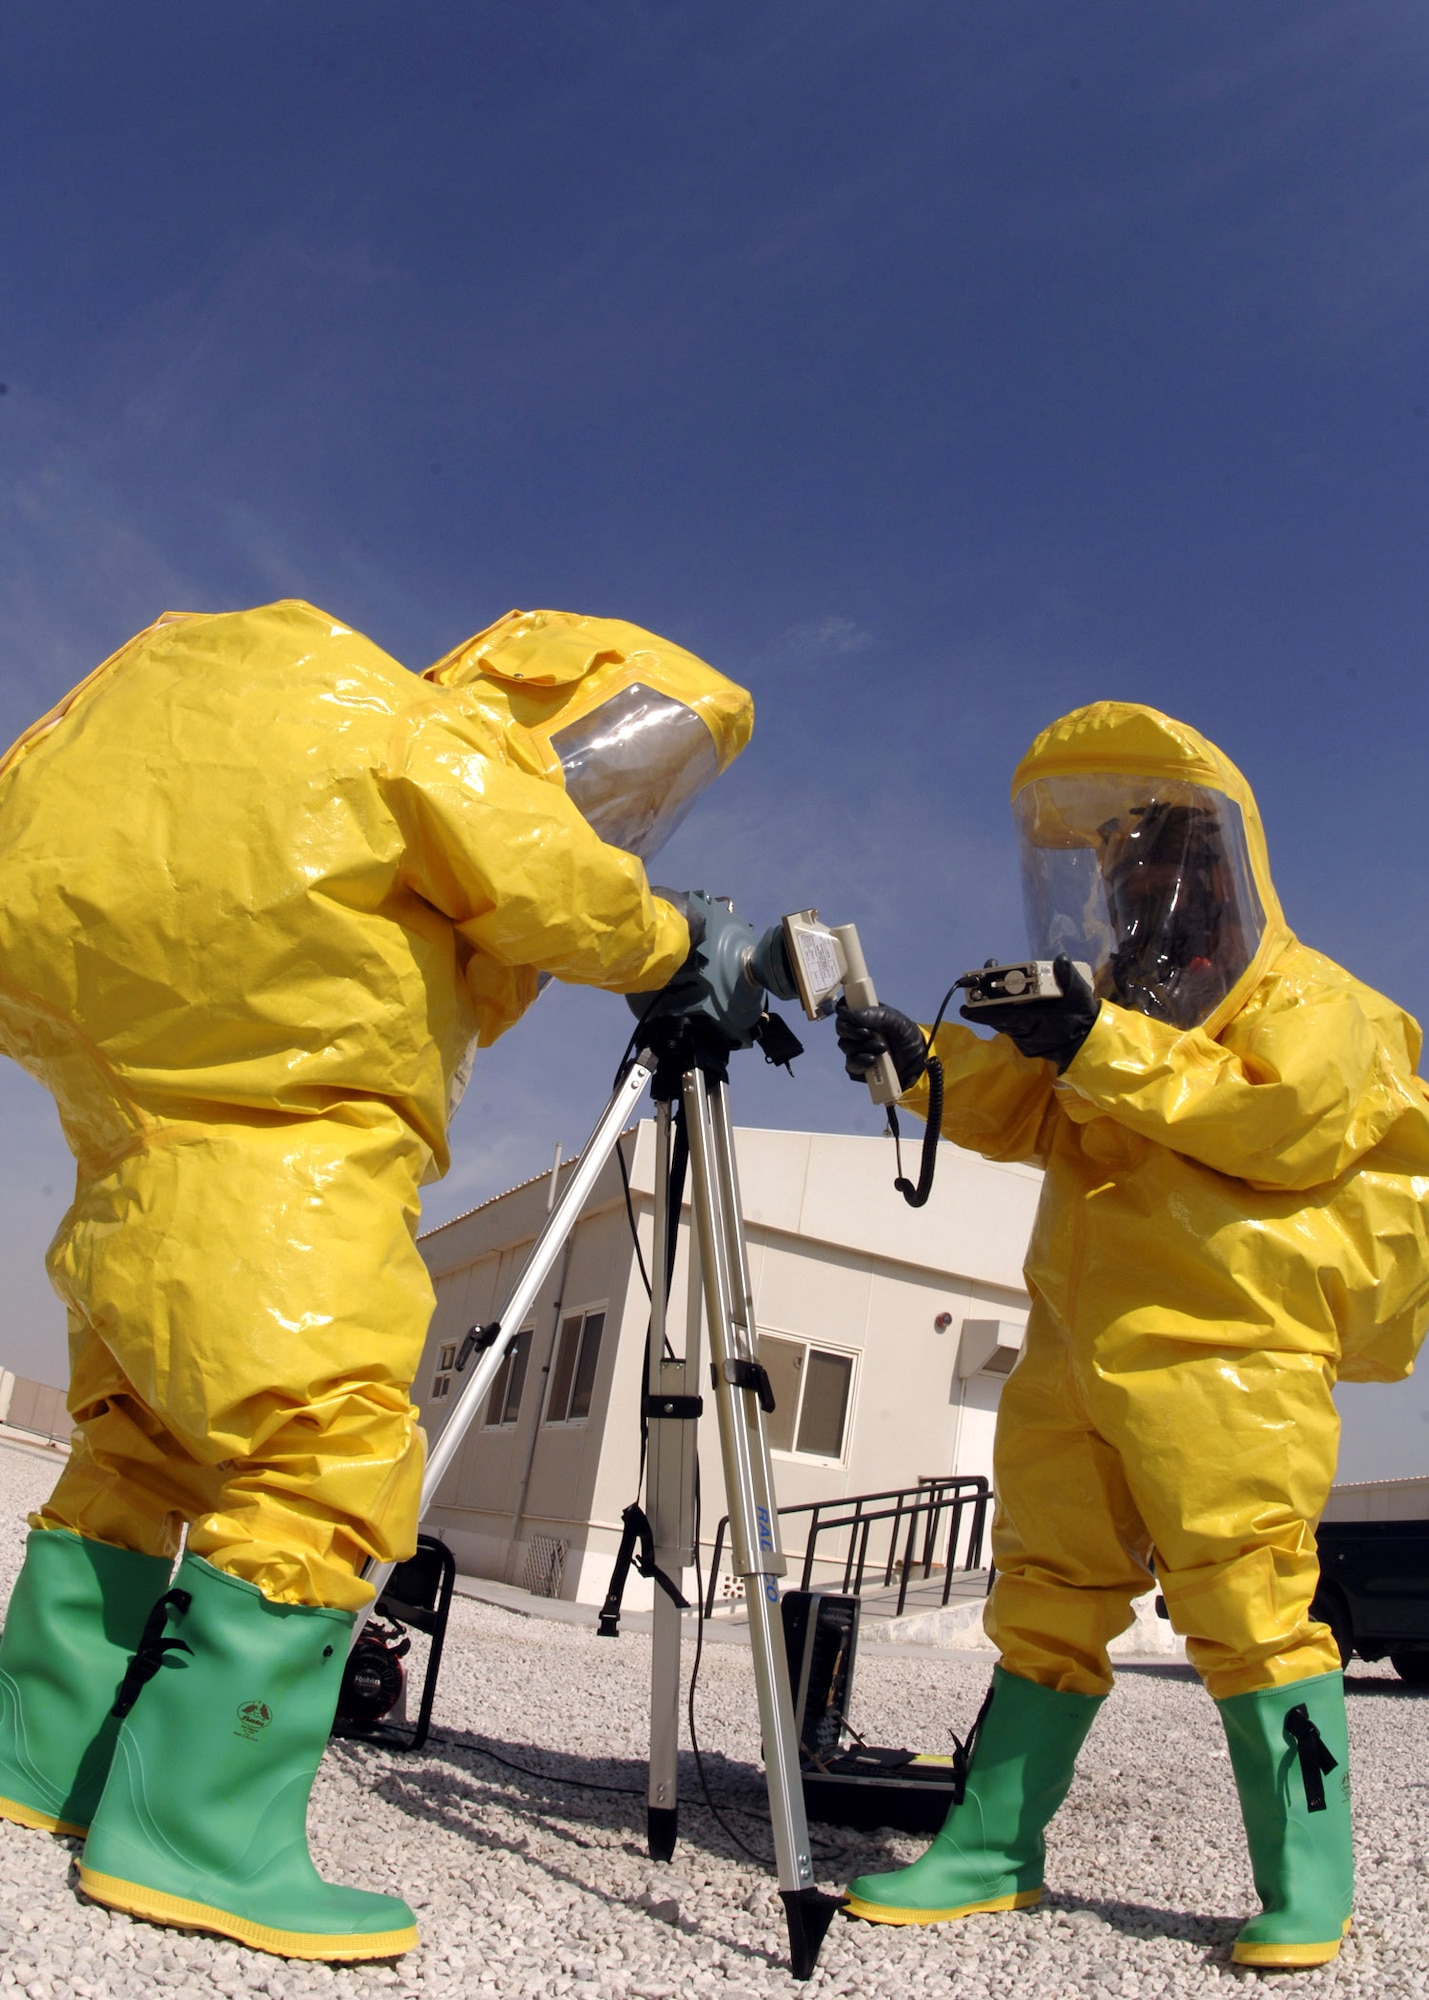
1235, 1213
262, 892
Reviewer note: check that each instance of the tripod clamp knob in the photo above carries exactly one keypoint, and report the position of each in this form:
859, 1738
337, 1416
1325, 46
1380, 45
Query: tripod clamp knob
476, 1340
746, 1375
674, 1409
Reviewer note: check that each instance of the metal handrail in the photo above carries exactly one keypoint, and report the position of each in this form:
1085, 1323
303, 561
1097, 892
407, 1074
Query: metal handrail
925, 1504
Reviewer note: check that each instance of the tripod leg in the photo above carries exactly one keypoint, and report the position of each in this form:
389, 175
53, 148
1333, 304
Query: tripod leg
749, 1498
673, 1408
662, 1807
662, 1799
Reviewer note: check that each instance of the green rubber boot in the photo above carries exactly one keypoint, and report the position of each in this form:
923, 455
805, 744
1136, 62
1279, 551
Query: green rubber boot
76, 1617
1290, 1752
990, 1853
203, 1822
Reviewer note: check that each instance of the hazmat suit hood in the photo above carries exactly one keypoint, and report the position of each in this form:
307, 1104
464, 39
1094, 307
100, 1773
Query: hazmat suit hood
632, 726
1143, 855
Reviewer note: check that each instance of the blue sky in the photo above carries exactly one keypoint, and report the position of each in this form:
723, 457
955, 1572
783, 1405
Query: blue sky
931, 367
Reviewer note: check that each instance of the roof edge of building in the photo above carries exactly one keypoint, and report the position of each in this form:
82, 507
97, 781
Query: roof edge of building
505, 1194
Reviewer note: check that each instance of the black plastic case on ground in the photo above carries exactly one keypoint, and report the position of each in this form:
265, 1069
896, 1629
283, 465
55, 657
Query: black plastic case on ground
863, 1786
418, 1598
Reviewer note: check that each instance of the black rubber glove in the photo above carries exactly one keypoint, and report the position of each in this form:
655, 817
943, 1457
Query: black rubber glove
685, 983
683, 901
866, 1033
1053, 1029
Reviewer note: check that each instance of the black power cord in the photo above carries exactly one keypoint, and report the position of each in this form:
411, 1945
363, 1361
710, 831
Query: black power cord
933, 1128
477, 1749
544, 1777
763, 1859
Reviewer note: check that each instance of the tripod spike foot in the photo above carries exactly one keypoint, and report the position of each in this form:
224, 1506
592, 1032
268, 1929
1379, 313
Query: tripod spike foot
810, 1912
662, 1830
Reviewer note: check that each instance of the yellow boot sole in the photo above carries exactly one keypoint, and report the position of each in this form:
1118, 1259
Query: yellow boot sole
11, 1809
888, 1913
181, 1914
1263, 1952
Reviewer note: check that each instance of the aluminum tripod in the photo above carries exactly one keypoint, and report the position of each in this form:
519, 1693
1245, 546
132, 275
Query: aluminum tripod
688, 1066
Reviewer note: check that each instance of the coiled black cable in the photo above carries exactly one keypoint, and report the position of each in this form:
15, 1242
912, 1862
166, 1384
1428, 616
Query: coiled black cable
933, 1129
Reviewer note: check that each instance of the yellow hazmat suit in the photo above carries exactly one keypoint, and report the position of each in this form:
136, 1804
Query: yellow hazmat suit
260, 890
1234, 1214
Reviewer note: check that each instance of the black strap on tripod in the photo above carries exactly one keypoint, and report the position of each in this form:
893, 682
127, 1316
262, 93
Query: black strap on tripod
637, 1546
637, 1540
1315, 1760
679, 1167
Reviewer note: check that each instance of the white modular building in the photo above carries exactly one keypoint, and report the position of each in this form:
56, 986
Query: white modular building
886, 1333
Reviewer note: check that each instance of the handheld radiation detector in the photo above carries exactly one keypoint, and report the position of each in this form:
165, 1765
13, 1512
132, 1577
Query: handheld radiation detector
1027, 982
826, 961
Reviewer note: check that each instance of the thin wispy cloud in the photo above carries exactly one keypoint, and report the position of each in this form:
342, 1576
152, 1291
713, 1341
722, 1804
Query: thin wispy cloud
814, 641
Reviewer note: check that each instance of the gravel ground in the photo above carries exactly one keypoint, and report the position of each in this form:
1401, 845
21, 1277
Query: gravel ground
527, 1885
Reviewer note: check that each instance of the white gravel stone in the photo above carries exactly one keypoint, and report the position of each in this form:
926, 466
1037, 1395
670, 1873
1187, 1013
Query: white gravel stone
530, 1885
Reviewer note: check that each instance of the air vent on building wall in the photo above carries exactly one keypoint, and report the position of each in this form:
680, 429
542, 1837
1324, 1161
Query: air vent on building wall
989, 1346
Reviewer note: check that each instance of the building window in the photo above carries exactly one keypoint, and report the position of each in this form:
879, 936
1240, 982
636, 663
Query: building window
448, 1359
441, 1386
503, 1405
573, 1376
812, 1387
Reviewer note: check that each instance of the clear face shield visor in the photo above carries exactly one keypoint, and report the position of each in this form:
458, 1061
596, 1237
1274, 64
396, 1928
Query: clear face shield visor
1148, 880
635, 765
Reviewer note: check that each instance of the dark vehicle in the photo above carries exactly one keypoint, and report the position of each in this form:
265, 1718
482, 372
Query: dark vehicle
1374, 1592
